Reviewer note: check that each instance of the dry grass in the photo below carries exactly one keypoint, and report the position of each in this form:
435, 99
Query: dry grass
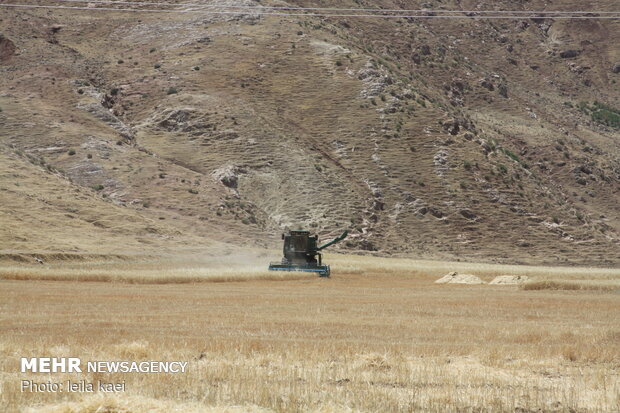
252, 266
138, 276
109, 403
384, 339
610, 285
365, 264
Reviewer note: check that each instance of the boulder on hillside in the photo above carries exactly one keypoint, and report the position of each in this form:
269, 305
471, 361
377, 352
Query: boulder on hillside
451, 126
425, 50
569, 54
487, 84
468, 214
7, 49
616, 68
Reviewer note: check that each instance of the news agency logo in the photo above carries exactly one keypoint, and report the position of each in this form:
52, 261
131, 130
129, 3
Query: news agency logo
74, 365
51, 365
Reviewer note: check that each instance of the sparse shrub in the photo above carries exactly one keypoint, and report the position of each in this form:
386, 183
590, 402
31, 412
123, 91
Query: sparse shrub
196, 68
146, 204
192, 191
583, 106
299, 33
98, 187
556, 220
338, 63
503, 90
373, 101
467, 165
502, 168
80, 91
89, 156
162, 175
606, 115
601, 113
71, 152
156, 65
152, 50
463, 185
245, 221
382, 98
171, 90
511, 155
114, 91
119, 142
120, 61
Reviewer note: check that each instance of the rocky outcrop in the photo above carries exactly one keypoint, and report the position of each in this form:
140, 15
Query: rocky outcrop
228, 175
108, 117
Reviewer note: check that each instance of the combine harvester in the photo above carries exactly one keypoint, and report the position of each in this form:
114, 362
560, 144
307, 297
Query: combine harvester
302, 254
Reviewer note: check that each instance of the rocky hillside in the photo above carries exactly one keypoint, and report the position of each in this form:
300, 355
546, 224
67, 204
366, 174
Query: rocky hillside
491, 140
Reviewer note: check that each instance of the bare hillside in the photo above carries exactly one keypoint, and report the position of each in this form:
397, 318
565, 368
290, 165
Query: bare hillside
473, 139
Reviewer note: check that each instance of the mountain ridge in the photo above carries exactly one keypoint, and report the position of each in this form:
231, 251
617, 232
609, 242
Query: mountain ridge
234, 128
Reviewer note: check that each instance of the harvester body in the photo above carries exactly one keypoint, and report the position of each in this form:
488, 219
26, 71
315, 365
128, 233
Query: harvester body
302, 253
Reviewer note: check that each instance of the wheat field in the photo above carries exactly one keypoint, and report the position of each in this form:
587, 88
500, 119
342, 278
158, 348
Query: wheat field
379, 335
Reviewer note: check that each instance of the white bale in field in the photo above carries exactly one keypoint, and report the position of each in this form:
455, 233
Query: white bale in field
456, 278
509, 279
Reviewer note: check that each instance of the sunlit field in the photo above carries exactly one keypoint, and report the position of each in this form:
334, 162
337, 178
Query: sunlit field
379, 335
253, 266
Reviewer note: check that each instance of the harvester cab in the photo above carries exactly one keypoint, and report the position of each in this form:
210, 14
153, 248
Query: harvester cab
302, 253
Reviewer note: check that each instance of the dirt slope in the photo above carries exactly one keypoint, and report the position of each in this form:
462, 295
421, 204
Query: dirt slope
468, 139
